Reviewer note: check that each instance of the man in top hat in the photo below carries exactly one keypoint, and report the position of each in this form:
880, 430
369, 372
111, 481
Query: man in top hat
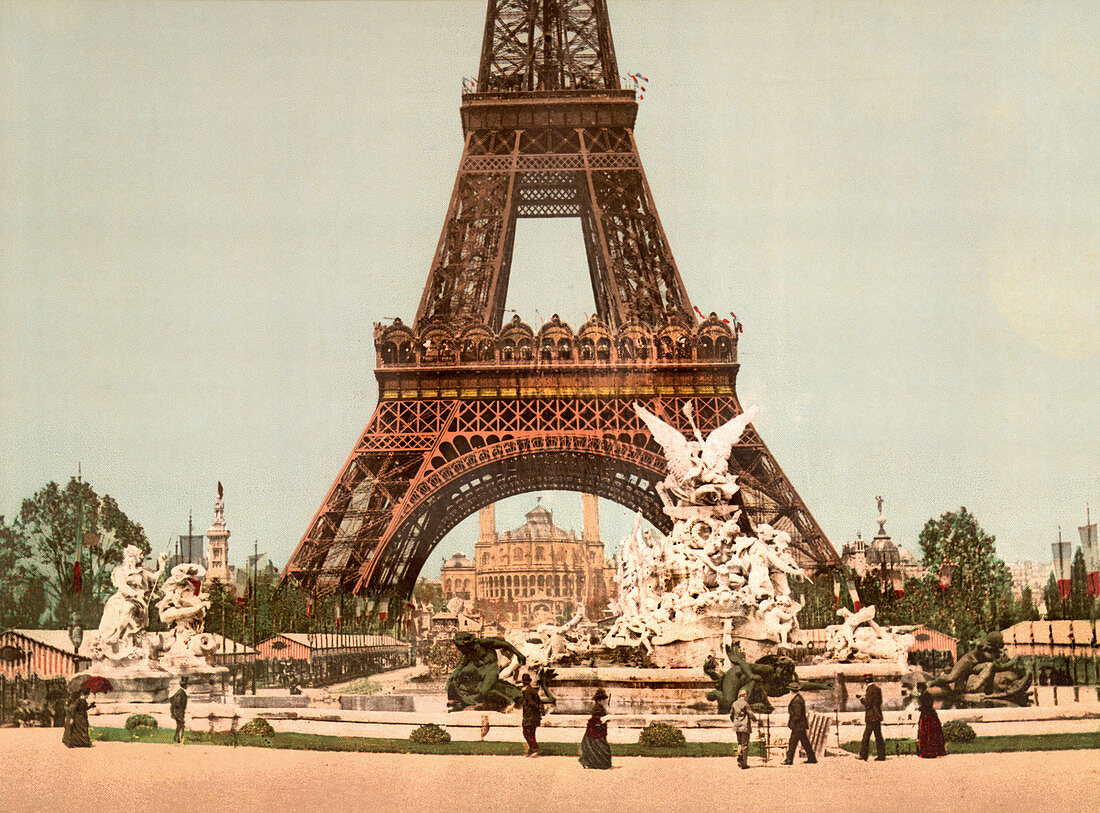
798, 723
872, 717
177, 705
532, 715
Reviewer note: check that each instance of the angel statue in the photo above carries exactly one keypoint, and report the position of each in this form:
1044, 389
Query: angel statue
698, 469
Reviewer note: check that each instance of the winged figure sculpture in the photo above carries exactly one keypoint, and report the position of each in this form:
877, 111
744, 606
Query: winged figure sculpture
693, 464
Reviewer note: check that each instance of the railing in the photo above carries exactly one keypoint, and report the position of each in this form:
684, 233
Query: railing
322, 670
32, 701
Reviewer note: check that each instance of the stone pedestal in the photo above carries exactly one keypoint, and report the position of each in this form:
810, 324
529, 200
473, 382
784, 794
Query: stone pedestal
140, 684
687, 645
849, 683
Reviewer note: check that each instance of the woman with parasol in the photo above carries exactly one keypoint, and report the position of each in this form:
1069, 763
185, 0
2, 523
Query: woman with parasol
76, 722
595, 750
76, 719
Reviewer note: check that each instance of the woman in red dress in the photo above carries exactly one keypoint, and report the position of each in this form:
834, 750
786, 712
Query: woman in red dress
929, 731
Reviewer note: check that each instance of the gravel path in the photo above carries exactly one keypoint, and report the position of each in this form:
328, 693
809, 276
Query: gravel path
39, 773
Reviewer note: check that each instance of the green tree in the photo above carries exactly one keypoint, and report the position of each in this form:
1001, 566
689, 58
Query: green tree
1079, 602
427, 592
974, 602
53, 524
1052, 598
1026, 609
21, 596
818, 601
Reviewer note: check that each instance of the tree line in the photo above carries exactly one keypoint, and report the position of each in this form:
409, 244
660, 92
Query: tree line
966, 590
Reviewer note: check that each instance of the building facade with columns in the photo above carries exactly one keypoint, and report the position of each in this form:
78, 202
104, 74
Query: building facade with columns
532, 574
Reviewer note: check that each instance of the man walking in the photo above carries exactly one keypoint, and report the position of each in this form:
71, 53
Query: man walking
532, 715
742, 717
798, 723
177, 705
872, 717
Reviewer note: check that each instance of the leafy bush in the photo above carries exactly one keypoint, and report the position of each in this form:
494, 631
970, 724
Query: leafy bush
430, 733
140, 721
362, 686
661, 735
957, 731
258, 727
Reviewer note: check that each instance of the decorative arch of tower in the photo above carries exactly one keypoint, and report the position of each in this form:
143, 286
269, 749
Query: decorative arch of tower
473, 409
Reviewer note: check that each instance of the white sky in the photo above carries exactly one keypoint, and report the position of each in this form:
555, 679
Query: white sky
204, 207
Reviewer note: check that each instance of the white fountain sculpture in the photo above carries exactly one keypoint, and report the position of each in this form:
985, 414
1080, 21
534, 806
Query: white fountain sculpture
682, 595
183, 608
126, 614
858, 639
141, 664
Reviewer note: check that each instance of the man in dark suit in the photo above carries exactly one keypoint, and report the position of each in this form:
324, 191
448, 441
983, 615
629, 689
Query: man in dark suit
798, 723
532, 715
872, 717
177, 706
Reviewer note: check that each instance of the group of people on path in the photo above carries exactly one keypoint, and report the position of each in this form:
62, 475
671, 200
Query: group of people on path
595, 750
77, 734
930, 742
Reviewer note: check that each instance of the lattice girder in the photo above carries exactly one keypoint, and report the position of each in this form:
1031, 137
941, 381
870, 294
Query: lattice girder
485, 449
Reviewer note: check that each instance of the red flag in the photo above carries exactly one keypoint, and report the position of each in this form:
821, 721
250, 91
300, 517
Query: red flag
854, 596
696, 307
309, 609
78, 578
195, 583
947, 570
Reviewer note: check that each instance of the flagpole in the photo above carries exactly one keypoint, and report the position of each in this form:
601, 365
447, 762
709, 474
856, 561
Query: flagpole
255, 602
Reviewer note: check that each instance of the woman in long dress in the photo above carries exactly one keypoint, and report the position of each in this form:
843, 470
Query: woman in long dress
76, 723
929, 731
595, 750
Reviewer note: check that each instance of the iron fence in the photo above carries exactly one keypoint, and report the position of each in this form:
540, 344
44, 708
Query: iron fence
322, 670
32, 701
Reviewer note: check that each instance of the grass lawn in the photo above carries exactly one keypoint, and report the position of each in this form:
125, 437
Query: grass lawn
989, 745
320, 742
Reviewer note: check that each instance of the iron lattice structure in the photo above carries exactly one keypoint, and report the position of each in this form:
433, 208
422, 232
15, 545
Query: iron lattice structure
471, 409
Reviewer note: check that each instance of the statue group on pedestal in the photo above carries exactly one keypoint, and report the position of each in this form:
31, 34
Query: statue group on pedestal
123, 639
686, 584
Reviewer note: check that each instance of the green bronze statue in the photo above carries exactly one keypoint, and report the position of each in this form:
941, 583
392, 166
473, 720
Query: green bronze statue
768, 676
476, 680
984, 677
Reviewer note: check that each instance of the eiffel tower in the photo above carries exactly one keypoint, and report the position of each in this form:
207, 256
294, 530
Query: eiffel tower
473, 409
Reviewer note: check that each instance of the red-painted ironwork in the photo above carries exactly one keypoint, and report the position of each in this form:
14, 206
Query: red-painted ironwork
472, 409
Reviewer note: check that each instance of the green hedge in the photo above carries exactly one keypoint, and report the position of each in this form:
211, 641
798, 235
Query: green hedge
661, 735
258, 727
958, 731
430, 733
140, 721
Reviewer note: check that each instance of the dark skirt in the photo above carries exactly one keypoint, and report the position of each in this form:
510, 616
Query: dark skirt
930, 737
595, 753
76, 729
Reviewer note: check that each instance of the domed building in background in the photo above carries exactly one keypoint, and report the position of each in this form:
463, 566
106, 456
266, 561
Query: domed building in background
534, 573
458, 578
881, 556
